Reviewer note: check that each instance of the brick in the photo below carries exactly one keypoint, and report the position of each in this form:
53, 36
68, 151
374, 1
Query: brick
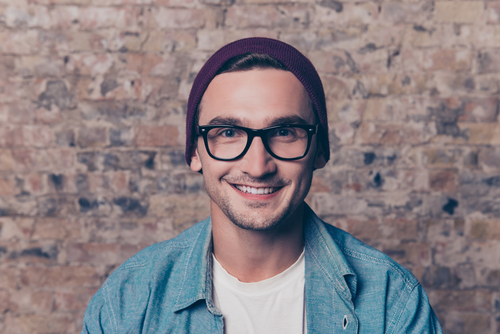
92, 137
118, 2
55, 229
30, 16
364, 230
411, 253
335, 62
150, 136
489, 158
485, 229
64, 17
493, 11
405, 12
453, 83
172, 41
60, 277
488, 61
386, 110
11, 136
482, 133
89, 64
7, 161
32, 300
451, 300
27, 66
442, 180
73, 300
85, 41
350, 14
431, 36
480, 110
400, 228
440, 59
467, 322
485, 36
92, 253
145, 64
385, 84
19, 43
11, 92
459, 11
174, 206
5, 302
269, 1
391, 133
120, 182
441, 158
15, 228
210, 40
167, 18
266, 16
37, 136
60, 2
33, 323
8, 278
323, 205
7, 186
91, 18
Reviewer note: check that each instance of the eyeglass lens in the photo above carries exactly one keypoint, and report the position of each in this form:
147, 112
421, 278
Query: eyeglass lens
286, 142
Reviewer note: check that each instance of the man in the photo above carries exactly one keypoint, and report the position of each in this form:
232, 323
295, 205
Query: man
263, 262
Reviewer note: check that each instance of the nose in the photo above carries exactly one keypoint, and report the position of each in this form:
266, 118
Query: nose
257, 162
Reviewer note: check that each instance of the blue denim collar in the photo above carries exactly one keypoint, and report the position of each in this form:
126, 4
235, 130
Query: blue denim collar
197, 280
327, 257
323, 259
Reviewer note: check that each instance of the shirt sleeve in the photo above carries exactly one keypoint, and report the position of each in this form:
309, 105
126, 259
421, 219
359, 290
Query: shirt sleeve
417, 315
97, 318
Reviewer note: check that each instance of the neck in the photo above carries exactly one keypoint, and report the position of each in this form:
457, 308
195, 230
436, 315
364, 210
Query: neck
253, 256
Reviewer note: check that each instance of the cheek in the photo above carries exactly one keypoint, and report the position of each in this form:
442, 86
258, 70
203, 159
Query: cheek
213, 169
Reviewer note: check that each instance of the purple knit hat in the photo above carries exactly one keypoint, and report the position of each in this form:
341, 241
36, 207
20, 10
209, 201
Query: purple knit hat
296, 63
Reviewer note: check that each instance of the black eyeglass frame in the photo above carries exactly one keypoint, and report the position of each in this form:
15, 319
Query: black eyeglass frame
202, 130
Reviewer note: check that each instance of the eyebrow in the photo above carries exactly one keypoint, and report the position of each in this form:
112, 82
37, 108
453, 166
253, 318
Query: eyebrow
225, 121
288, 120
277, 121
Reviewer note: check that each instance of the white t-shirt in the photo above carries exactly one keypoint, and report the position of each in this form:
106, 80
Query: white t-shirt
274, 305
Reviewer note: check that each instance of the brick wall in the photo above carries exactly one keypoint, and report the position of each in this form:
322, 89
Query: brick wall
92, 101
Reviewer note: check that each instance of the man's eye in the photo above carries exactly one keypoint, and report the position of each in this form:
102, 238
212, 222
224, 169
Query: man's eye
228, 133
225, 133
284, 132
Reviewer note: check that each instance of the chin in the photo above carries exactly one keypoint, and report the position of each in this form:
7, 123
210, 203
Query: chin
258, 220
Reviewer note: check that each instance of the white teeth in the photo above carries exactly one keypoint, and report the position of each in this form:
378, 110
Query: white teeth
255, 191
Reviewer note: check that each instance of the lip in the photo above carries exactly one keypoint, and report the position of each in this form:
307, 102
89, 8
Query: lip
261, 197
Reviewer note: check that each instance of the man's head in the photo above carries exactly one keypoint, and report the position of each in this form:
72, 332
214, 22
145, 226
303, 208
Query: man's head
257, 179
286, 55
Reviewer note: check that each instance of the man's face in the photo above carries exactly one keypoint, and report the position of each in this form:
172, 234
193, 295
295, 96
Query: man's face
256, 99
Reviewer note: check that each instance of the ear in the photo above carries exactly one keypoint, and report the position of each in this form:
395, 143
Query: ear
195, 160
319, 160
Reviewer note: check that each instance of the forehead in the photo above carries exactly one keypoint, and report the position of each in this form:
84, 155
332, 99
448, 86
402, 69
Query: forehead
258, 95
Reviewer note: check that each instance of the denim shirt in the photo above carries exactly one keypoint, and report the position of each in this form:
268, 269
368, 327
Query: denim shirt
350, 288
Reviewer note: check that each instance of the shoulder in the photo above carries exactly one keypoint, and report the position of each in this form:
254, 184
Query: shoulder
366, 260
156, 272
384, 288
163, 252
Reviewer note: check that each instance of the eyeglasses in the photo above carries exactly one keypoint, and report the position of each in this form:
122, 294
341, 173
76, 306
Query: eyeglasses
231, 142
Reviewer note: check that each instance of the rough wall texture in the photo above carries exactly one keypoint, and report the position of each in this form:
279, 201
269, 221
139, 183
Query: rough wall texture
92, 102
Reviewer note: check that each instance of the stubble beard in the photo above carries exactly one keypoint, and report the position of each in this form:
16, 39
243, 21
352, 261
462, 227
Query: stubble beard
253, 221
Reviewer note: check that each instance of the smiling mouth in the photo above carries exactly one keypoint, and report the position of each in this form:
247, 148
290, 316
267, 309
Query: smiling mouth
256, 191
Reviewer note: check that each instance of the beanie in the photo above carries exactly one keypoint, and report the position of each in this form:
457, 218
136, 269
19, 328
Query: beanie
296, 63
